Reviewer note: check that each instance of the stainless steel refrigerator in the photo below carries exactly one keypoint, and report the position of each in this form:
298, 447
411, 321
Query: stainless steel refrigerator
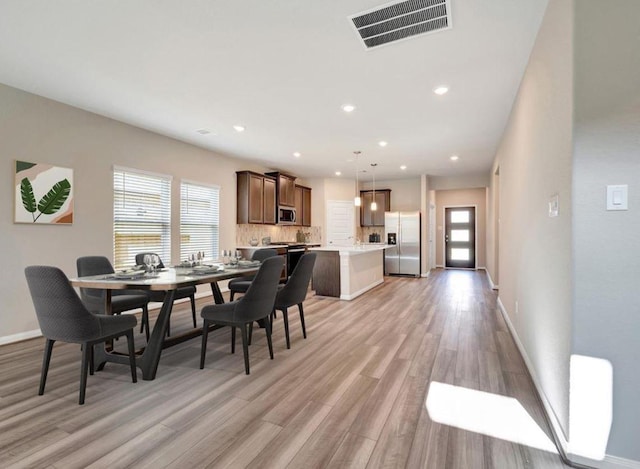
402, 231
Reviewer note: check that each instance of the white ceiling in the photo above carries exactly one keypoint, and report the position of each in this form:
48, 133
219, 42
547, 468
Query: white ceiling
282, 68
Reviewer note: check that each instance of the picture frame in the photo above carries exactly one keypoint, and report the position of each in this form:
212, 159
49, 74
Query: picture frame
43, 194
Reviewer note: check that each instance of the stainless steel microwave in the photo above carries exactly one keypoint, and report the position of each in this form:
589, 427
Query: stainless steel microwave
286, 215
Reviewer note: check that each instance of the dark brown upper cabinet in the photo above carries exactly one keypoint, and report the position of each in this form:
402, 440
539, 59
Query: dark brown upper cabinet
285, 190
374, 218
256, 198
303, 205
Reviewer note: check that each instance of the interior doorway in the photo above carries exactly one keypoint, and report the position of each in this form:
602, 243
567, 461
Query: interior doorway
460, 237
340, 223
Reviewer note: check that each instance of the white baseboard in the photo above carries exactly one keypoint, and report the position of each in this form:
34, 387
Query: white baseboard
555, 424
425, 274
609, 462
9, 339
438, 266
362, 290
491, 284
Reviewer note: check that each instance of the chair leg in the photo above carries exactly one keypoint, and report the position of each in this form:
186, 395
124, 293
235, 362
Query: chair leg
245, 347
304, 330
46, 359
250, 331
205, 333
193, 310
91, 366
268, 331
132, 356
233, 339
83, 371
231, 295
285, 317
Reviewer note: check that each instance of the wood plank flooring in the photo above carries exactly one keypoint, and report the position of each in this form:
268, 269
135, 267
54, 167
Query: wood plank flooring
351, 395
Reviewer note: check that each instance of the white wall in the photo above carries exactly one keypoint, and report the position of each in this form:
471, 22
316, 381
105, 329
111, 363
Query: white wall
606, 243
534, 158
460, 197
467, 181
39, 130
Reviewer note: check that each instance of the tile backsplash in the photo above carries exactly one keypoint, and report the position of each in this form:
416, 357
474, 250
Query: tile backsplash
244, 233
365, 231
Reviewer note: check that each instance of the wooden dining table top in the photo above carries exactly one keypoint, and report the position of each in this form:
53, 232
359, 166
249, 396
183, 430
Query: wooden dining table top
165, 279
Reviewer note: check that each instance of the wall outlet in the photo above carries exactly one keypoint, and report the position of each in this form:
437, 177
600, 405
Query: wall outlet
516, 306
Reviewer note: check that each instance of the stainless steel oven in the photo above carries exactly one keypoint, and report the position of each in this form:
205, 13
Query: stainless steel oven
286, 215
294, 252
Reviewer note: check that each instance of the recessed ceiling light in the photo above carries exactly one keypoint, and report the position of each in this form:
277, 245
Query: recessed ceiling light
454, 158
239, 128
297, 154
382, 143
203, 131
403, 167
348, 107
338, 173
440, 90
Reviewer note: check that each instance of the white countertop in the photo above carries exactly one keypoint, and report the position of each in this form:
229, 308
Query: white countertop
261, 246
354, 250
274, 246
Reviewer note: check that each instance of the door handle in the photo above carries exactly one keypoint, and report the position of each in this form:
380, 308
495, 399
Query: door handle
446, 238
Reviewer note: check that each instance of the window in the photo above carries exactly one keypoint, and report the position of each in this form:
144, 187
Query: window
141, 215
199, 219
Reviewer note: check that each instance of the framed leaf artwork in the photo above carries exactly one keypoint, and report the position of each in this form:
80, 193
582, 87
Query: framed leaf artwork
43, 194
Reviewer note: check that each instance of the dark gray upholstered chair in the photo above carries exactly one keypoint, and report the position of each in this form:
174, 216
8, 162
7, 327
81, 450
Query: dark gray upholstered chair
294, 292
121, 300
241, 285
257, 303
184, 292
62, 316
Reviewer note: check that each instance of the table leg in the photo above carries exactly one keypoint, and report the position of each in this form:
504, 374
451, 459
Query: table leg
217, 294
107, 302
148, 361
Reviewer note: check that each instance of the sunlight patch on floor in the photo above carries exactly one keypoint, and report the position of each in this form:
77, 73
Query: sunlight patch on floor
489, 414
590, 406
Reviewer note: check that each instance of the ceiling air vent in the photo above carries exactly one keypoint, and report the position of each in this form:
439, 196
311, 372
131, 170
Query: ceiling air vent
401, 20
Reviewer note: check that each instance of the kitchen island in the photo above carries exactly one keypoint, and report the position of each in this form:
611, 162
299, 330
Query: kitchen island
347, 272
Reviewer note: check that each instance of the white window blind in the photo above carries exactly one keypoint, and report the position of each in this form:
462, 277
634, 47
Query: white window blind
199, 220
141, 216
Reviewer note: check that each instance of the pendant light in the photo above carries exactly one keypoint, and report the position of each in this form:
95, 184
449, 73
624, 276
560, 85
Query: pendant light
374, 205
357, 201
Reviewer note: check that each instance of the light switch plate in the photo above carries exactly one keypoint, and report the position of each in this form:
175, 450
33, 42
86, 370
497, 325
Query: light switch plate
553, 206
617, 196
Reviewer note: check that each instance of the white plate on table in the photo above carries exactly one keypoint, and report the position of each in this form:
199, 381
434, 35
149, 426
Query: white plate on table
207, 269
247, 264
129, 275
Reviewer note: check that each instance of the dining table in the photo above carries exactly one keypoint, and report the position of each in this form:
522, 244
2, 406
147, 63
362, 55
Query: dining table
168, 280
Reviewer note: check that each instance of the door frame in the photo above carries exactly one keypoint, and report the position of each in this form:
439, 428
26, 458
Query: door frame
444, 234
337, 203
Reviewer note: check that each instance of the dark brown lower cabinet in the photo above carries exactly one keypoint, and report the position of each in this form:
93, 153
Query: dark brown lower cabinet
326, 274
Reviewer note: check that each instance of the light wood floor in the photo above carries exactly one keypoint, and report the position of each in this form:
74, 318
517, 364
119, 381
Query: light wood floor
351, 395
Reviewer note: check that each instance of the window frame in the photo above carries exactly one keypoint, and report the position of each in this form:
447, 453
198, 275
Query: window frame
160, 225
211, 250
